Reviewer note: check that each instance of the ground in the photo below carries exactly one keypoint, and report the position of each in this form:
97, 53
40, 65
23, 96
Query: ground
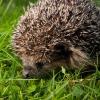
13, 87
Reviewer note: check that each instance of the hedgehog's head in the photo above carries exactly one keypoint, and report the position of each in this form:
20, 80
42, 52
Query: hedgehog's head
45, 59
51, 58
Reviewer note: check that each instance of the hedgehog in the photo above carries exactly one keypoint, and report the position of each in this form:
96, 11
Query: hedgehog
56, 33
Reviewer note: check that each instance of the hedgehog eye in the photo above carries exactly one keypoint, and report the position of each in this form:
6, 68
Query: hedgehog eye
39, 65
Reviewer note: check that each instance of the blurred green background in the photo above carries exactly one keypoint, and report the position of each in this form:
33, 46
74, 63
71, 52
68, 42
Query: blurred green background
14, 87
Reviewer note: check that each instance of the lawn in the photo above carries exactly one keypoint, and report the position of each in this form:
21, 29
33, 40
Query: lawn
14, 87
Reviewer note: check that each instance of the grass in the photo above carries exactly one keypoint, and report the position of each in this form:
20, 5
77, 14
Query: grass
14, 87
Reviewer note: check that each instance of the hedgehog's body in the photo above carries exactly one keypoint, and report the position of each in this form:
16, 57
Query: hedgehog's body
56, 33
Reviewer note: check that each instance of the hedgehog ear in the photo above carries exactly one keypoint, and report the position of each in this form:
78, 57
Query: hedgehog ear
59, 47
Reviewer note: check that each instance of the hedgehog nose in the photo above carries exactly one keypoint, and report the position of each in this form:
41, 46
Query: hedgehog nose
39, 65
26, 73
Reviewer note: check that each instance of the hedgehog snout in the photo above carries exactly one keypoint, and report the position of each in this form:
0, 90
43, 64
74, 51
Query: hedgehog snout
30, 70
27, 71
